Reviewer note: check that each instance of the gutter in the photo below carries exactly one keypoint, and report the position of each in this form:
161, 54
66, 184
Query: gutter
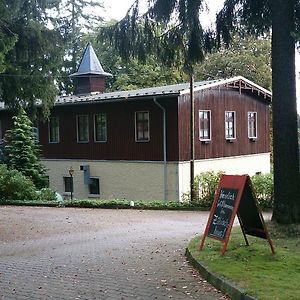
164, 146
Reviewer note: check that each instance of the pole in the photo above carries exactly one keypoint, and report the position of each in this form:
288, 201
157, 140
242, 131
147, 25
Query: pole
192, 136
71, 186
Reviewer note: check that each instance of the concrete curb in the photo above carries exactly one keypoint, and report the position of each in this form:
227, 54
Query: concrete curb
217, 281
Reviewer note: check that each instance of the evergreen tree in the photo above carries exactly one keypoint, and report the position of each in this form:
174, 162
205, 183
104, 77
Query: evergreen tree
183, 37
32, 63
21, 152
283, 18
76, 18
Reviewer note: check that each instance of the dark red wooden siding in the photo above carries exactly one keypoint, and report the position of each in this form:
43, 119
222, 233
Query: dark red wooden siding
121, 144
219, 101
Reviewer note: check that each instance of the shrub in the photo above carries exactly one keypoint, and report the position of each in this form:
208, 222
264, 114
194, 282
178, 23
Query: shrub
46, 194
15, 186
263, 185
206, 184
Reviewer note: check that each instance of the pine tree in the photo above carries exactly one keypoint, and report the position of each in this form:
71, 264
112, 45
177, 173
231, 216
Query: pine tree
21, 152
31, 63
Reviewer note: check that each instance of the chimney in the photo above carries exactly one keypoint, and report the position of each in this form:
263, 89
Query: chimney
90, 76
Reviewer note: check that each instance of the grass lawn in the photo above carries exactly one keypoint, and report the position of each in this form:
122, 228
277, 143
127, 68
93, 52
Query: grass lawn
254, 268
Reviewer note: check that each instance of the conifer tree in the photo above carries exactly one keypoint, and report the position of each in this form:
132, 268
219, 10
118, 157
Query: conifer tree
21, 152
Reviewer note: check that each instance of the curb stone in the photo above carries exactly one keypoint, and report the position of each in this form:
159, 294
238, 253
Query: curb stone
217, 281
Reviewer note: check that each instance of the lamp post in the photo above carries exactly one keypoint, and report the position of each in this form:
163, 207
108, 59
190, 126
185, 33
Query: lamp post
71, 172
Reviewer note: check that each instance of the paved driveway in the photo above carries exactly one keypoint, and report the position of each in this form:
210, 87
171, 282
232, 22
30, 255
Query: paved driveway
66, 253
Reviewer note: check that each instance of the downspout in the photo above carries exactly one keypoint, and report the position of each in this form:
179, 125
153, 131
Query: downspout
164, 146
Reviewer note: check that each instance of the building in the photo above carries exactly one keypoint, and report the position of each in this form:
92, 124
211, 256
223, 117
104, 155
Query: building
136, 144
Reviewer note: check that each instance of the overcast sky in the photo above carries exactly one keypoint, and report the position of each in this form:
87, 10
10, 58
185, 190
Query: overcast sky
117, 9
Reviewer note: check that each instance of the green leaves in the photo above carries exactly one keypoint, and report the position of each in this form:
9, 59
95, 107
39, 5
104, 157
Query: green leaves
21, 151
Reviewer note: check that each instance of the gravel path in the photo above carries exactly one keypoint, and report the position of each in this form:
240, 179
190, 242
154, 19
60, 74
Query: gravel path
67, 253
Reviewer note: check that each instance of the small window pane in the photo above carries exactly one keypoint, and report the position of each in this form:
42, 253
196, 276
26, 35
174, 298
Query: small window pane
142, 126
82, 128
54, 130
229, 124
68, 184
94, 186
204, 125
100, 125
252, 125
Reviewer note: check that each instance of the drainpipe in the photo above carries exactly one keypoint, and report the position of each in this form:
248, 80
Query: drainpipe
165, 146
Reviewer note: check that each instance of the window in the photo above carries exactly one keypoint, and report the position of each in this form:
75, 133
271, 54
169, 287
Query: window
230, 125
204, 125
53, 130
94, 186
252, 125
68, 184
100, 126
82, 129
142, 133
35, 134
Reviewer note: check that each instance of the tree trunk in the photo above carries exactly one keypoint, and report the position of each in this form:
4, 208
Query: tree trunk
285, 140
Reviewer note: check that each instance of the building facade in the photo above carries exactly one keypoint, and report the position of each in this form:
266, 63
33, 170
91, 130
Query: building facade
136, 144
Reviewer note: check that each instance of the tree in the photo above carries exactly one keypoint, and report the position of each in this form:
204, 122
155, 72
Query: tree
283, 17
186, 39
32, 63
247, 56
21, 152
174, 41
76, 18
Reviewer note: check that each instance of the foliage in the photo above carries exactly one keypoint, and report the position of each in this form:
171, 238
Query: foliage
120, 203
133, 74
173, 40
33, 55
259, 267
282, 18
46, 195
206, 184
15, 186
263, 185
21, 151
247, 56
75, 18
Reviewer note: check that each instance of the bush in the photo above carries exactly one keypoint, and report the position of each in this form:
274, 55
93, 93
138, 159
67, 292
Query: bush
46, 194
15, 186
206, 184
263, 185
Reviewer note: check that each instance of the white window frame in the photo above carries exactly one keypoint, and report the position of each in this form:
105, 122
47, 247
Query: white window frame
77, 129
209, 113
95, 135
248, 121
234, 126
135, 127
49, 131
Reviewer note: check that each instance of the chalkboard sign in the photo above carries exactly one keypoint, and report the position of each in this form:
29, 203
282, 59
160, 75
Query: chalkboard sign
222, 213
235, 196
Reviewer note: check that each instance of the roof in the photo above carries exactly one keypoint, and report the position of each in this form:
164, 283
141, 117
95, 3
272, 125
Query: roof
90, 64
238, 82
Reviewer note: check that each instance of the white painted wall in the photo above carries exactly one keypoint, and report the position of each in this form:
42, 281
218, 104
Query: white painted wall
145, 180
235, 165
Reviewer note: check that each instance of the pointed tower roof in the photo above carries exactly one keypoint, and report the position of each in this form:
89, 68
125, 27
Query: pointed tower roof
90, 64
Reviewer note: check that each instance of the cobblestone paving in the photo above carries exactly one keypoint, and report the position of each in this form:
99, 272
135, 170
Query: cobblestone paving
66, 253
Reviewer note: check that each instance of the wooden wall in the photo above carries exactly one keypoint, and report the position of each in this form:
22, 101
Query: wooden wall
121, 144
218, 101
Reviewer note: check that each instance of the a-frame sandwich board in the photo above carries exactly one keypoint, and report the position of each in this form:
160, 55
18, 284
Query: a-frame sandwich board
235, 196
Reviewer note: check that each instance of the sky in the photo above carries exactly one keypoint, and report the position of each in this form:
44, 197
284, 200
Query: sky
117, 9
